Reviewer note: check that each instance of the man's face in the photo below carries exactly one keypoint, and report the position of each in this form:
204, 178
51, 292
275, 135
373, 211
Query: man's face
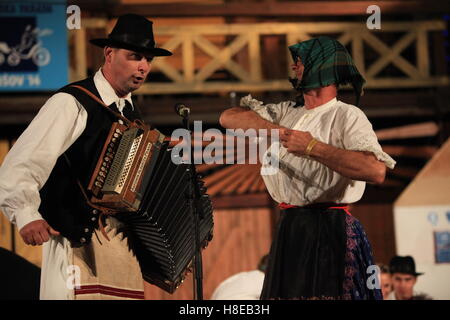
298, 68
386, 284
128, 69
403, 285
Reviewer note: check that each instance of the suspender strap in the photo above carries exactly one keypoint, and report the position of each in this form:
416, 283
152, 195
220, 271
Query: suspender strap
93, 96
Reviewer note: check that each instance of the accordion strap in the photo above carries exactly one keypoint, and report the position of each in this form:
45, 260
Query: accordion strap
93, 96
103, 210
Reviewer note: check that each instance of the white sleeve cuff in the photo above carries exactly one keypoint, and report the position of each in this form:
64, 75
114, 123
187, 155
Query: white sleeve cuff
249, 102
268, 112
25, 216
364, 145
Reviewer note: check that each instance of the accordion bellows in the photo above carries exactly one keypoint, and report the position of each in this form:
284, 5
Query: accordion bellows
136, 177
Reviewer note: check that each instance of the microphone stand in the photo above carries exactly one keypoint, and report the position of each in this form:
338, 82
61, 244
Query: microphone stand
194, 198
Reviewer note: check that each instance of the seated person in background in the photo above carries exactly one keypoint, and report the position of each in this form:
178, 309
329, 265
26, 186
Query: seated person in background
243, 285
385, 280
404, 277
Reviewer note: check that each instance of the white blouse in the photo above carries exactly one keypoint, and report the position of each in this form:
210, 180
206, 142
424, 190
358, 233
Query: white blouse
301, 180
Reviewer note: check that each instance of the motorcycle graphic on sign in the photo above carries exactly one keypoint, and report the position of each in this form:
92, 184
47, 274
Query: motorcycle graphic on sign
30, 47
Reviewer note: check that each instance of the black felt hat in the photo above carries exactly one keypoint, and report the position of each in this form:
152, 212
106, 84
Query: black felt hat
406, 265
132, 32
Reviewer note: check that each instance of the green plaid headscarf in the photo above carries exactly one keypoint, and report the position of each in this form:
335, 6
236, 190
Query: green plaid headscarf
326, 62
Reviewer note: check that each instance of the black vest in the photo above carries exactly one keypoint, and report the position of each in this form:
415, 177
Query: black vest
63, 205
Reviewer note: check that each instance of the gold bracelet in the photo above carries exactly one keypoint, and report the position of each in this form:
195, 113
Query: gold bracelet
310, 146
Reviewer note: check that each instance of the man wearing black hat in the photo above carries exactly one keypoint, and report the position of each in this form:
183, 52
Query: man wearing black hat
404, 277
39, 177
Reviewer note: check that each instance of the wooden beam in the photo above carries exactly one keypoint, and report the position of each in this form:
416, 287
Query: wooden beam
219, 175
392, 54
426, 129
411, 151
277, 85
257, 200
281, 9
201, 168
20, 109
244, 187
80, 53
4, 148
232, 187
220, 186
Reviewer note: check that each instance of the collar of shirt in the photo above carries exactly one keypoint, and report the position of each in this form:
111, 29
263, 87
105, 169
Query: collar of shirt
322, 107
107, 92
307, 114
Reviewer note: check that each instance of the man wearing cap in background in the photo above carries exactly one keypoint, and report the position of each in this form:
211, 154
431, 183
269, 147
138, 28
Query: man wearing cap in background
38, 179
404, 278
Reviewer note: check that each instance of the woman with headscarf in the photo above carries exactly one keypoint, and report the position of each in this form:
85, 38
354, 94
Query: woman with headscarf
328, 152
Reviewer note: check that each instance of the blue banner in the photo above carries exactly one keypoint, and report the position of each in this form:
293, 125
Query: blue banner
442, 246
33, 45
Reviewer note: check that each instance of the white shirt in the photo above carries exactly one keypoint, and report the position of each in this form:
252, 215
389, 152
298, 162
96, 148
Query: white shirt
302, 181
27, 166
241, 286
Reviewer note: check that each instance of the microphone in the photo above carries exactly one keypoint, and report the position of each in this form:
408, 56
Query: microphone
182, 110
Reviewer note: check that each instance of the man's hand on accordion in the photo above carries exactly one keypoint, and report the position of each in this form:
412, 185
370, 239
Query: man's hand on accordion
37, 232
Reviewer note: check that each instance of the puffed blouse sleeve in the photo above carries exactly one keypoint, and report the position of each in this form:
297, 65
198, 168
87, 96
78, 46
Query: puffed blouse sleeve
273, 112
358, 135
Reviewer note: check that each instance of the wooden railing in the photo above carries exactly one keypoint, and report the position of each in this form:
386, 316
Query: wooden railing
216, 45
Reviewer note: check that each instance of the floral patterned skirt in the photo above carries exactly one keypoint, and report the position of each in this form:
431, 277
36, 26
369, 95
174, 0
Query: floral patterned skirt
320, 253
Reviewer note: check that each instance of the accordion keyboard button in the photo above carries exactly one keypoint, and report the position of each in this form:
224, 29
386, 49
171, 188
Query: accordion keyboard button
83, 240
93, 219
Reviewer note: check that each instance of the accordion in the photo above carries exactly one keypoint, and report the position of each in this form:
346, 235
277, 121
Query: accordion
136, 178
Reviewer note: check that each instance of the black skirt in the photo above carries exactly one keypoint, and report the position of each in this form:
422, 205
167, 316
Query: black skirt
319, 253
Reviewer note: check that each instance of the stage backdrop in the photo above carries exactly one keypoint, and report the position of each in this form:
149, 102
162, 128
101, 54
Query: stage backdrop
422, 224
33, 45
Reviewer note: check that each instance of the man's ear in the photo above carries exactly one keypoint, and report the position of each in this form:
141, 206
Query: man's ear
107, 52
